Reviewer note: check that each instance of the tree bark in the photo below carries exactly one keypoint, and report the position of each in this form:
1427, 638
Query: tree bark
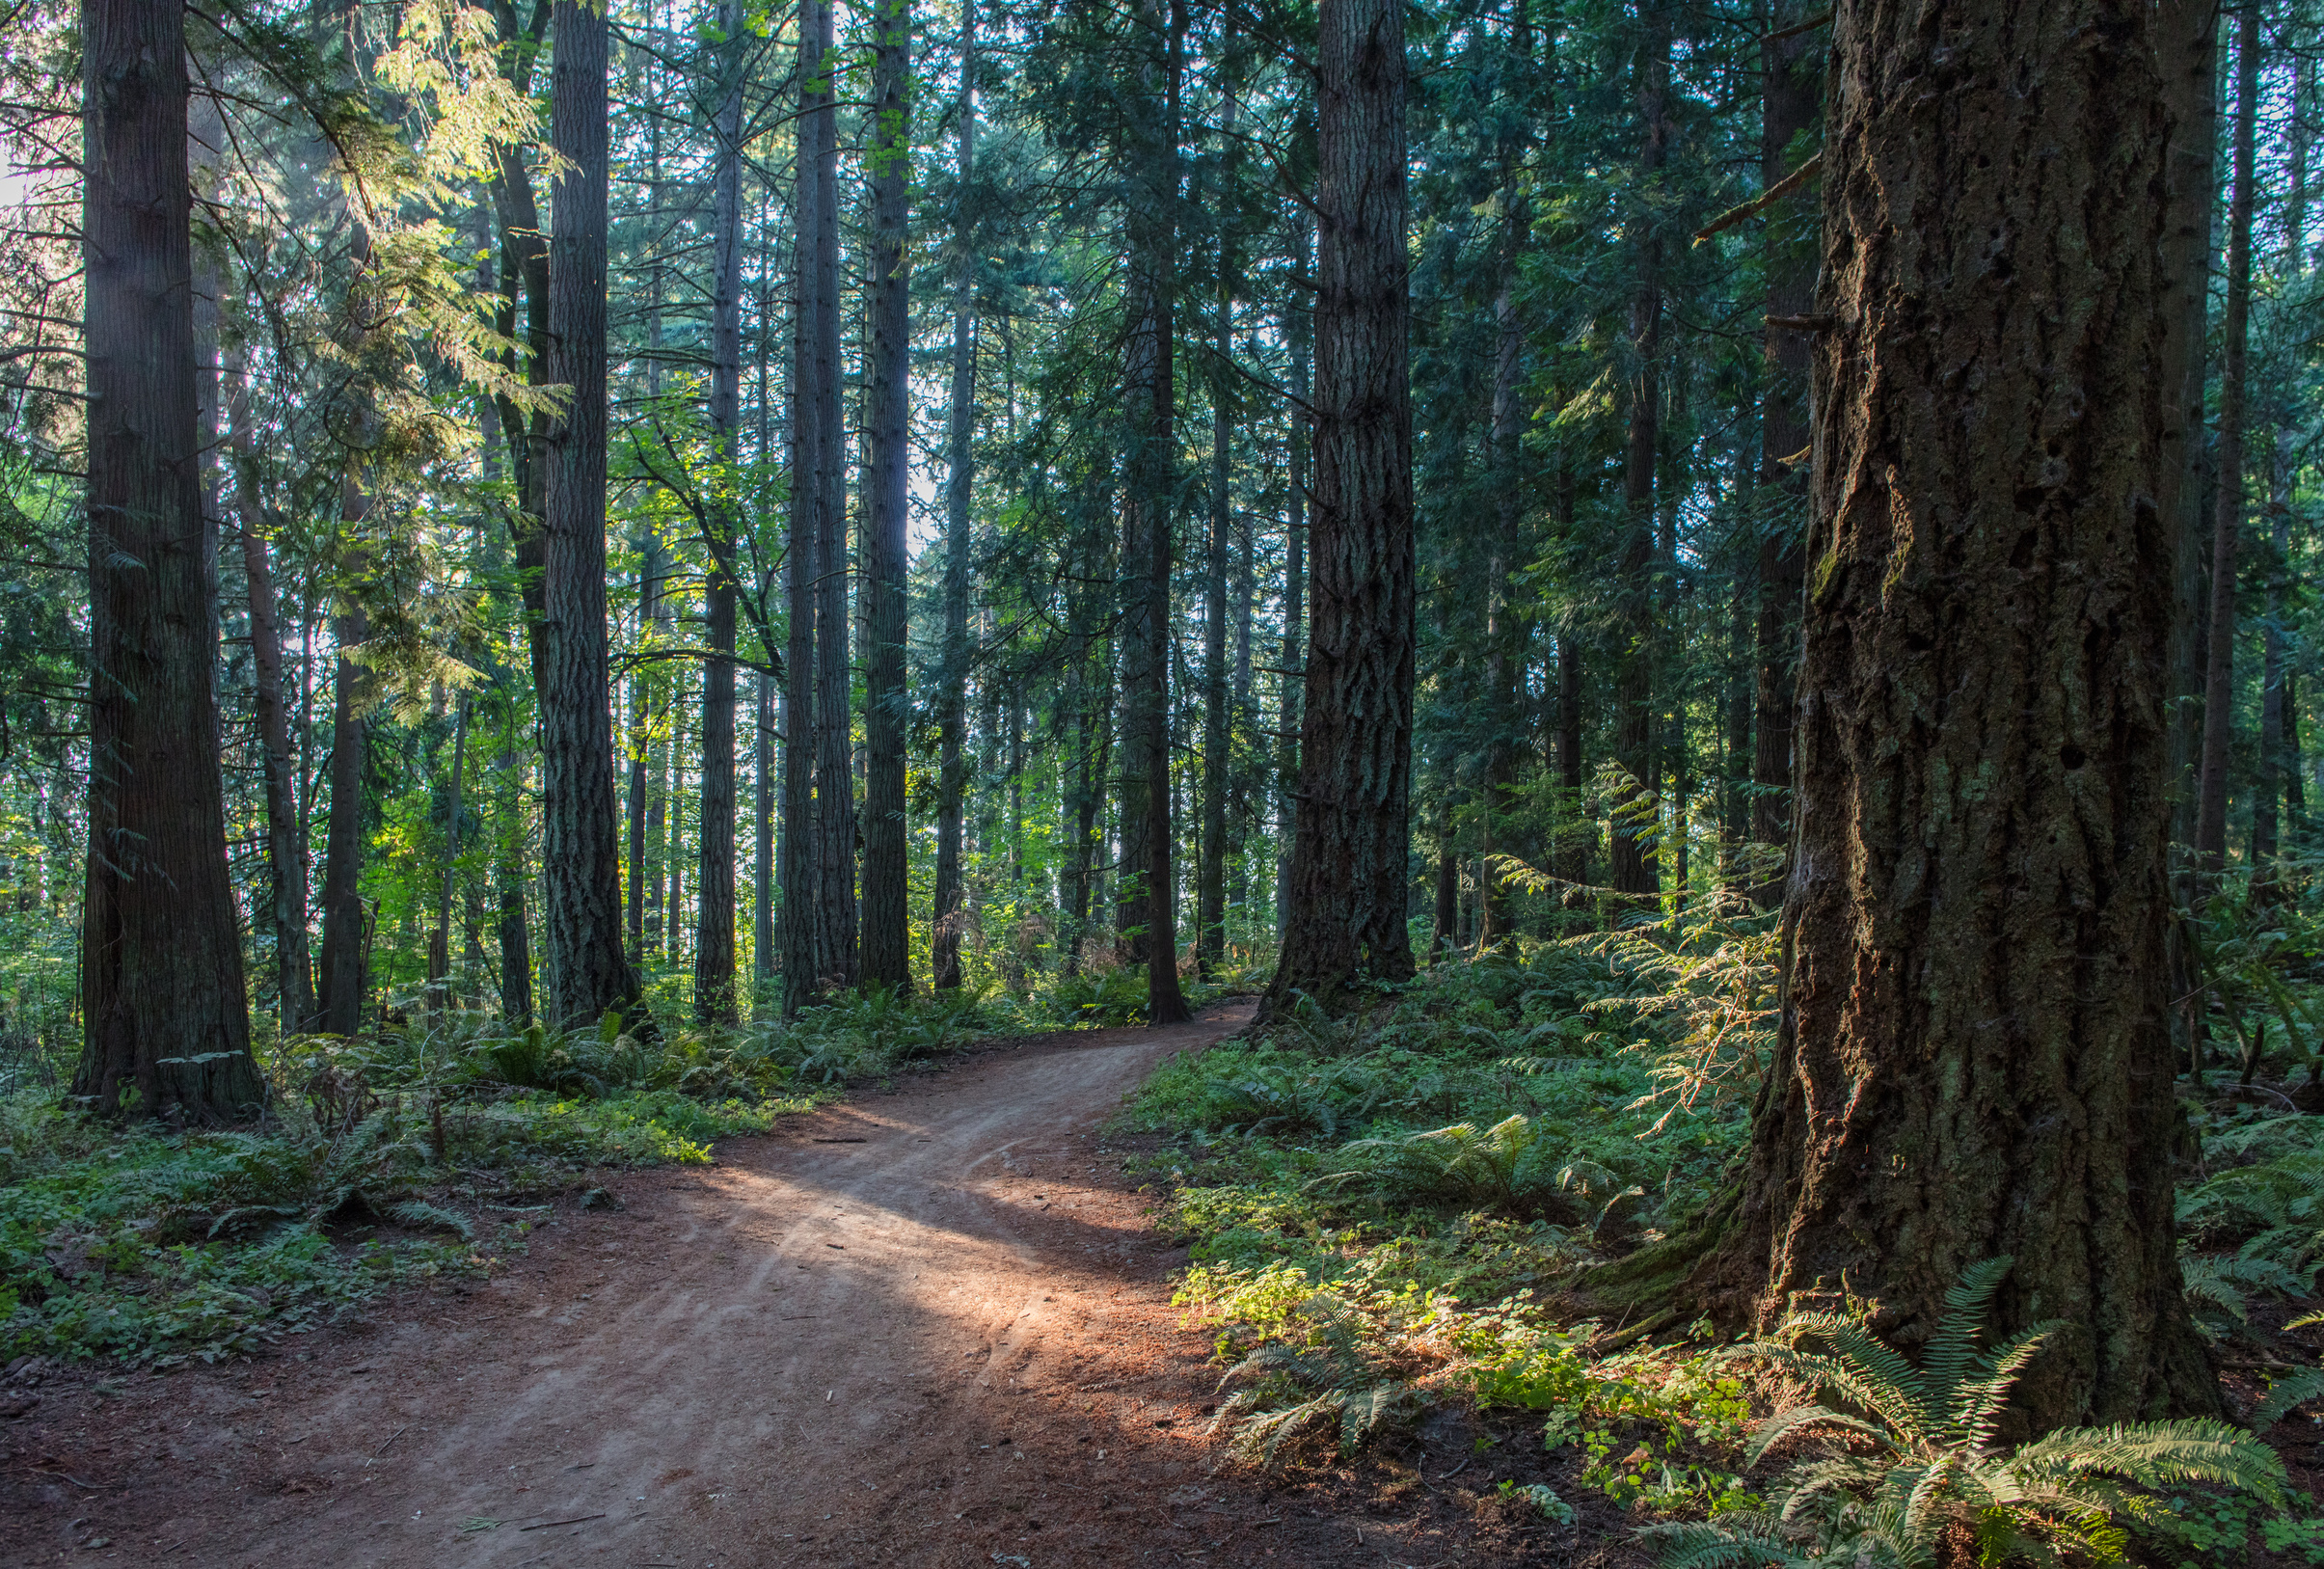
340, 983
952, 706
888, 417
715, 881
2276, 718
1299, 331
285, 851
439, 945
1218, 735
1349, 868
1634, 864
1974, 1055
2219, 673
163, 1007
1148, 903
580, 847
1791, 90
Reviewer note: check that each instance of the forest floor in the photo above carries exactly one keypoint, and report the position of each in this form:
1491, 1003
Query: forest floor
929, 1326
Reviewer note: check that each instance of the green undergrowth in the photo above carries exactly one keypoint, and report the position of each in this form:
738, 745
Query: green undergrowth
424, 1151
1385, 1213
1396, 1212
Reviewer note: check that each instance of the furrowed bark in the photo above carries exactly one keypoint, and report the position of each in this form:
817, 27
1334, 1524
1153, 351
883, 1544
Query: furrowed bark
163, 1007
1974, 1056
1347, 930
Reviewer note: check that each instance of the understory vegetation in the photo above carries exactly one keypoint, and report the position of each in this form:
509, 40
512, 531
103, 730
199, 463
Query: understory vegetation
422, 1151
1398, 1213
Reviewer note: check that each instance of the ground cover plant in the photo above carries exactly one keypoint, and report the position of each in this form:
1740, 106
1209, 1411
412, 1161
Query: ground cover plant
1398, 1210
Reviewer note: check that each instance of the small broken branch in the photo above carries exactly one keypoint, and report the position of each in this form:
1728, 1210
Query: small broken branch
1773, 194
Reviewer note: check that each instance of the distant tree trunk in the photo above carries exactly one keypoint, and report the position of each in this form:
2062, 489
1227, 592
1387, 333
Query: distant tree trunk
1635, 867
1791, 87
800, 851
645, 775
952, 677
715, 885
163, 1007
835, 966
513, 937
341, 981
888, 417
1149, 900
524, 259
763, 794
2219, 693
2277, 724
580, 847
1218, 735
1505, 663
1299, 327
1348, 872
285, 850
1977, 923
440, 946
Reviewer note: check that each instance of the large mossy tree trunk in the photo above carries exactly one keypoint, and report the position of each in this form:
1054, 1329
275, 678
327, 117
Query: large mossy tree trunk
1974, 1055
1352, 841
163, 1007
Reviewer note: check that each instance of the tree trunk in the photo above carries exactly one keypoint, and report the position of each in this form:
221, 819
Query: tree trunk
715, 885
1974, 1056
1299, 329
1148, 904
2188, 34
285, 854
2219, 693
887, 418
801, 849
581, 847
1635, 867
439, 945
1791, 87
162, 1002
341, 981
952, 677
1349, 875
1218, 735
2276, 719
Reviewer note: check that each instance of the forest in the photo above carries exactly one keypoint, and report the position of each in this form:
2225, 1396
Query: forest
1633, 675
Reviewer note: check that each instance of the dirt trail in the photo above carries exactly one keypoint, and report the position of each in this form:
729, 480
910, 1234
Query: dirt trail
926, 1327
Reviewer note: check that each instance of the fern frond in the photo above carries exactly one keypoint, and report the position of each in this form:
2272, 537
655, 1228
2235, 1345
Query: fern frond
1737, 1540
1784, 1423
1978, 1405
419, 1214
2284, 1394
2157, 1454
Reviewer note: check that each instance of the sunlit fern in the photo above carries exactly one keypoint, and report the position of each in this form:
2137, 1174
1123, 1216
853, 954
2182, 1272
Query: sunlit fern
1297, 1393
1918, 1461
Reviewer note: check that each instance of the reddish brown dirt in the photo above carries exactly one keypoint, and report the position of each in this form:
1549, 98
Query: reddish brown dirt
928, 1327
